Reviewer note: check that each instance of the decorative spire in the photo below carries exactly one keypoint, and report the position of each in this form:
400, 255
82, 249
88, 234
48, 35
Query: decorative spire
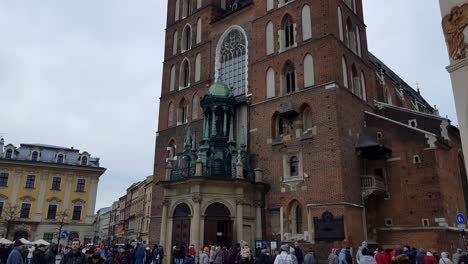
417, 88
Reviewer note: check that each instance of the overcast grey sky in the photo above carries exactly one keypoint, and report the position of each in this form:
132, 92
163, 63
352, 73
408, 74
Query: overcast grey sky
88, 73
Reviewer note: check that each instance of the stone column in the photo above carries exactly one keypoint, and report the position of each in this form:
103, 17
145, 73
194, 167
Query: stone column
258, 218
239, 219
42, 191
16, 183
281, 223
162, 237
213, 123
195, 224
225, 124
92, 200
309, 225
168, 246
66, 200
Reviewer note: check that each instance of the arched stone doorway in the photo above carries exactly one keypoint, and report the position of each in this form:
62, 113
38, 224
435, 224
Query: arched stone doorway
21, 234
218, 225
181, 225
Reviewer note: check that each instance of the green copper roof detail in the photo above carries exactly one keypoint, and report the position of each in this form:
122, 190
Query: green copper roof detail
219, 89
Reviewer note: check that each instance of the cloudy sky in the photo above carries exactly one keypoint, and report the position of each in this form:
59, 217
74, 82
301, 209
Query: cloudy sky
88, 73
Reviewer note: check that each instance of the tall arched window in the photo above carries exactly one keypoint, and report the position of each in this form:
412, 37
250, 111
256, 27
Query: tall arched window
358, 41
269, 39
363, 87
172, 80
177, 10
232, 61
356, 81
345, 72
306, 23
35, 156
186, 38
309, 76
277, 126
199, 30
195, 106
288, 32
269, 4
298, 212
350, 35
174, 43
289, 76
170, 118
306, 119
184, 80
293, 166
199, 3
186, 8
182, 113
270, 83
340, 23
197, 67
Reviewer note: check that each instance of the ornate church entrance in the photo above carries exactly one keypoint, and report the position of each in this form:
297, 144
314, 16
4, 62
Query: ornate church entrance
181, 226
218, 225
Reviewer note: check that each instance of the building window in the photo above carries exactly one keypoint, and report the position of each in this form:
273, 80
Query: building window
52, 211
340, 24
170, 118
186, 8
294, 166
307, 119
356, 82
76, 213
388, 222
30, 180
25, 210
84, 161
56, 183
298, 220
184, 74
269, 39
80, 186
309, 75
425, 222
306, 23
1, 208
345, 72
183, 111
416, 159
198, 67
177, 7
199, 30
288, 28
48, 237
3, 179
9, 154
186, 38
270, 81
289, 78
60, 158
233, 62
413, 123
174, 43
35, 156
351, 36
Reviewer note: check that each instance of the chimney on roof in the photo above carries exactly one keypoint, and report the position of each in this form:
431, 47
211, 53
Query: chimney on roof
2, 143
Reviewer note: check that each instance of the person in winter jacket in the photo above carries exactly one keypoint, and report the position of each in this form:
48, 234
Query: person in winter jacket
400, 257
192, 250
74, 256
445, 259
51, 253
420, 256
342, 257
284, 257
204, 257
456, 256
218, 256
264, 257
359, 253
189, 259
139, 254
298, 253
429, 258
310, 258
366, 257
333, 258
39, 255
380, 257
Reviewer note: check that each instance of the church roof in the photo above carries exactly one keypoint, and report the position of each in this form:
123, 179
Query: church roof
219, 89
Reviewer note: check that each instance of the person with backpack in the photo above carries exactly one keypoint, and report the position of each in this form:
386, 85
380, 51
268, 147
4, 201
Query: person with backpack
74, 256
284, 257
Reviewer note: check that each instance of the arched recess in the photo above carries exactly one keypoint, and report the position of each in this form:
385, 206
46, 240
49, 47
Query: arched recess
309, 76
340, 23
363, 87
172, 78
358, 41
184, 74
345, 71
218, 225
269, 5
295, 218
170, 118
306, 116
306, 23
177, 10
278, 128
171, 150
356, 82
182, 112
199, 4
270, 46
186, 42
174, 43
231, 63
270, 83
199, 30
181, 225
287, 32
198, 67
195, 106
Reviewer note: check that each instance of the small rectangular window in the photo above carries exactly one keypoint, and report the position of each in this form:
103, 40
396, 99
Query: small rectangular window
3, 179
80, 186
56, 183
425, 222
76, 213
30, 180
52, 211
388, 222
25, 210
1, 208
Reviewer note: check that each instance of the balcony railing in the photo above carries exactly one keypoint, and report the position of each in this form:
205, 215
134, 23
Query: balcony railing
371, 184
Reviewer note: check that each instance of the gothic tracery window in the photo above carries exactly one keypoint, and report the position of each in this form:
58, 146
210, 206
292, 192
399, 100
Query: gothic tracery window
294, 166
233, 62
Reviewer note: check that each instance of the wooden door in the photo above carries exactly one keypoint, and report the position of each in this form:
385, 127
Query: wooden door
181, 232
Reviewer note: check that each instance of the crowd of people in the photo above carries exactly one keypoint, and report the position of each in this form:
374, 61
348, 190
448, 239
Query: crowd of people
239, 253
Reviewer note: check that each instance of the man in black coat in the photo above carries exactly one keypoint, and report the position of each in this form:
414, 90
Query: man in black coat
39, 255
75, 256
51, 253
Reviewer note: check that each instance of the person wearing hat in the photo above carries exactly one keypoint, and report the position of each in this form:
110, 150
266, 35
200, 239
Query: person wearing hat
264, 257
15, 256
39, 254
204, 257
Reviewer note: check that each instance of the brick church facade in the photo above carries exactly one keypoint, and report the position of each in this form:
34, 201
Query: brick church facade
276, 123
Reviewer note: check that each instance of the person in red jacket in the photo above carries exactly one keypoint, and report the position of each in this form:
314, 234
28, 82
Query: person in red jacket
381, 258
192, 250
429, 258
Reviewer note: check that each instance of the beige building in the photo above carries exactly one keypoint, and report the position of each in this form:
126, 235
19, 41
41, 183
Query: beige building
455, 26
147, 204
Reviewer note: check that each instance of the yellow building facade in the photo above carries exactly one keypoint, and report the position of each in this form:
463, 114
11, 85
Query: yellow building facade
42, 186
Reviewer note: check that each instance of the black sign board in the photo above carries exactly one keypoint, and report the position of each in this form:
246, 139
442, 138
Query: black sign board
328, 228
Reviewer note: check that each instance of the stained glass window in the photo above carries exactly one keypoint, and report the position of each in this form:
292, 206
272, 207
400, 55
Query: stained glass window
233, 58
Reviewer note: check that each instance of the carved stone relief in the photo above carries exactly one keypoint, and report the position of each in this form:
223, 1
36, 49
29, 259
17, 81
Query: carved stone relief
454, 26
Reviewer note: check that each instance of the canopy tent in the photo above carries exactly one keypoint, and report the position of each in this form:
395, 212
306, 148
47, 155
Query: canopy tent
41, 242
5, 241
25, 241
